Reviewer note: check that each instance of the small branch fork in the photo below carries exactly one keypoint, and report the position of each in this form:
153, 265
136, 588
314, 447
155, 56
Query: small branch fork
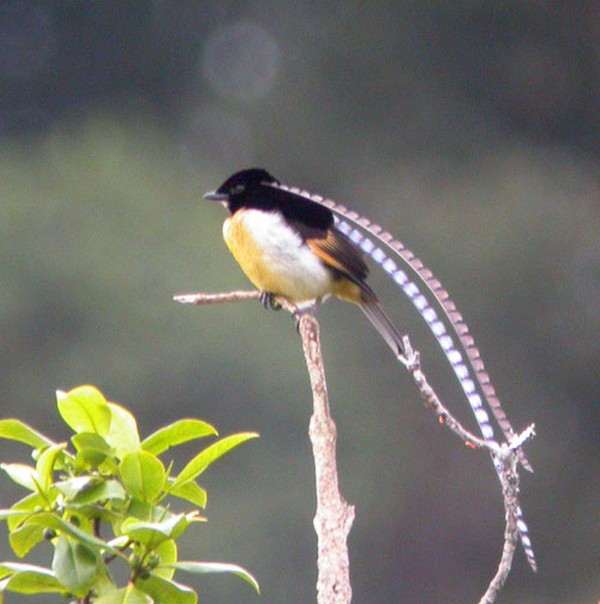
334, 517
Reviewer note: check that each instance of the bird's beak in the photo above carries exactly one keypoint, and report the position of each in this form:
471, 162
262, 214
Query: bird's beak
214, 196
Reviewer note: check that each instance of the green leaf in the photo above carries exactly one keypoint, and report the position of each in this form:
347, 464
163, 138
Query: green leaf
85, 490
28, 579
26, 476
15, 429
123, 434
190, 491
84, 409
217, 567
74, 565
177, 433
144, 511
23, 508
166, 591
199, 463
25, 538
45, 465
51, 521
151, 534
92, 450
143, 475
167, 552
14, 515
73, 486
125, 595
91, 440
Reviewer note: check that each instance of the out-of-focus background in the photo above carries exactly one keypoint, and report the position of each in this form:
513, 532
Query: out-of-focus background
470, 130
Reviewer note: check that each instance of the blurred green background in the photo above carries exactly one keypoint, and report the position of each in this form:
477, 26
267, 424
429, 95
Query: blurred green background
469, 129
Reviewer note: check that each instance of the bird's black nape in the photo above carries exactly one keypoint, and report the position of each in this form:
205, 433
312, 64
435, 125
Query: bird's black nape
257, 188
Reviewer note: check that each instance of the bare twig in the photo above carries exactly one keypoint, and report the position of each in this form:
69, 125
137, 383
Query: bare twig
511, 539
334, 517
201, 299
411, 360
506, 465
505, 457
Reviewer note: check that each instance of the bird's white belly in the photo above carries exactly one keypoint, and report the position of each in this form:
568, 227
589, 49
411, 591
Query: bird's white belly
274, 256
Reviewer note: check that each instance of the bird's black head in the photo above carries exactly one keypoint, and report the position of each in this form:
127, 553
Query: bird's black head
239, 188
256, 188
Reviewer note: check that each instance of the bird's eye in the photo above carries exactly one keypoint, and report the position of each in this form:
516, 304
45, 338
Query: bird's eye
237, 189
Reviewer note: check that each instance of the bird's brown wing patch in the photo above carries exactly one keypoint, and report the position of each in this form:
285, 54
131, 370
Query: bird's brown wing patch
336, 251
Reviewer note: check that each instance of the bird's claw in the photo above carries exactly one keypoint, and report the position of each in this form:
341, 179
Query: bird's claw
267, 299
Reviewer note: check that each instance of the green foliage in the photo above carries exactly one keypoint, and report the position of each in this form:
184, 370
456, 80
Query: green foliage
107, 478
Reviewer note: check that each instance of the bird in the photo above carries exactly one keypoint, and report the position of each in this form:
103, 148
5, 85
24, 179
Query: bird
288, 246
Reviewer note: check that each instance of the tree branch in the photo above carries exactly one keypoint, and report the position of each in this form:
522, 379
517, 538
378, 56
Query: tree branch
334, 517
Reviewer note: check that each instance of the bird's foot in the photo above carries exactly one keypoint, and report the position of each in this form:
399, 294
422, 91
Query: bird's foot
267, 299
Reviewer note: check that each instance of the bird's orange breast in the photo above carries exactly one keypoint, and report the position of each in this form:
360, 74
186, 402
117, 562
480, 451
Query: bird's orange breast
248, 253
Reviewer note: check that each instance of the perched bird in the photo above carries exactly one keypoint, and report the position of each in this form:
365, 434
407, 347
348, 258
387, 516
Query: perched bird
288, 246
